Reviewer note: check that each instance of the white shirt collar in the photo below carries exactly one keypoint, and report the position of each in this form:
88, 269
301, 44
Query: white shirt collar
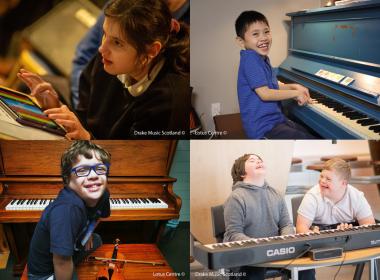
141, 86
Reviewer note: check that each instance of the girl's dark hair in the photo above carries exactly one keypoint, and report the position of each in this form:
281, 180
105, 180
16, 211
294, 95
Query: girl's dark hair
84, 148
238, 169
146, 21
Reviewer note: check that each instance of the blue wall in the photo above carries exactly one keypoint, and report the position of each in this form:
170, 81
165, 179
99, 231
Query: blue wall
180, 169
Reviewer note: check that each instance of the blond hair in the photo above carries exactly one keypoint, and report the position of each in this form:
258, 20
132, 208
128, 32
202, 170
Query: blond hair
340, 166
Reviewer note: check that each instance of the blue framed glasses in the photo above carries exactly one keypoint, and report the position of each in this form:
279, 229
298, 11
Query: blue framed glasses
84, 170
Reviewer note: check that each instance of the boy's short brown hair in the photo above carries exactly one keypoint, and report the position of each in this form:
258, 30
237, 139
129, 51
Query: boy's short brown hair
238, 169
340, 166
84, 148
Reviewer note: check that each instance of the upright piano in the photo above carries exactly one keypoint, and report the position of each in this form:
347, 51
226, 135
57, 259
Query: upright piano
140, 187
335, 53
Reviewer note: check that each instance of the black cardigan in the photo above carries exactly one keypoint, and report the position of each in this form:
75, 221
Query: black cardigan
109, 111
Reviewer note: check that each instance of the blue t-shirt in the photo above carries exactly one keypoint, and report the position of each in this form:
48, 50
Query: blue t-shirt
62, 226
258, 116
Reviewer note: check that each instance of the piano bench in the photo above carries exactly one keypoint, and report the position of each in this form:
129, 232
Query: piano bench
229, 126
24, 275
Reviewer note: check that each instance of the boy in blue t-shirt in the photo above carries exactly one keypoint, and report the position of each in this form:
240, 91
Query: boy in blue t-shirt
259, 92
64, 235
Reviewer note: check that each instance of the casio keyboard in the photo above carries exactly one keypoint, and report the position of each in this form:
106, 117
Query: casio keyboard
334, 52
115, 203
261, 250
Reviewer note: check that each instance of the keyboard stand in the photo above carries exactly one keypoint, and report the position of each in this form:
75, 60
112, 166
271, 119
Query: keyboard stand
350, 257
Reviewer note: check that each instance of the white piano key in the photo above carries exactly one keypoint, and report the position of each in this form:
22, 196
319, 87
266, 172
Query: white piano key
115, 203
339, 119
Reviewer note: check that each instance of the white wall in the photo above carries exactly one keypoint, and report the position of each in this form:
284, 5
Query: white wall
210, 174
214, 55
317, 149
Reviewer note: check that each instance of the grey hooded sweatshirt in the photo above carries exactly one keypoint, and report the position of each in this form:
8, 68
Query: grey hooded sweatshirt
252, 211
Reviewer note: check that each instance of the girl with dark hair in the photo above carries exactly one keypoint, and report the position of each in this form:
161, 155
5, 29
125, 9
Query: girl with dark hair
138, 84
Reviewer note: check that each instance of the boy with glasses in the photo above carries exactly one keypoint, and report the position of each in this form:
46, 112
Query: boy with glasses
64, 235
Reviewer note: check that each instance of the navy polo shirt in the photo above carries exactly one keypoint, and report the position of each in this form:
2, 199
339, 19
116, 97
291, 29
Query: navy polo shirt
62, 226
258, 116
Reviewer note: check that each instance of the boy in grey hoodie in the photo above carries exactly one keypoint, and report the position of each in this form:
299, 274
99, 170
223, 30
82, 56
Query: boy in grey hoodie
254, 210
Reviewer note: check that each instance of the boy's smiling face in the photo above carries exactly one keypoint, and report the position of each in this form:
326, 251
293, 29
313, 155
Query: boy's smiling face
257, 37
254, 167
90, 188
331, 184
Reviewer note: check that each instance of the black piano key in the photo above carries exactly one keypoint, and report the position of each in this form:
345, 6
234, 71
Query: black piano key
367, 122
375, 128
342, 109
13, 201
355, 115
345, 110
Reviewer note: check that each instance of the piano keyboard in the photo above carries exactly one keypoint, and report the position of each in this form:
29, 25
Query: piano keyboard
260, 250
115, 203
362, 125
286, 238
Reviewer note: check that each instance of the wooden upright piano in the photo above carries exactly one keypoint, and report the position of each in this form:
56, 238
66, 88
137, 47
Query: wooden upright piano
30, 170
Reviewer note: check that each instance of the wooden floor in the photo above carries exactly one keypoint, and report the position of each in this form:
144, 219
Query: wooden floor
88, 270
